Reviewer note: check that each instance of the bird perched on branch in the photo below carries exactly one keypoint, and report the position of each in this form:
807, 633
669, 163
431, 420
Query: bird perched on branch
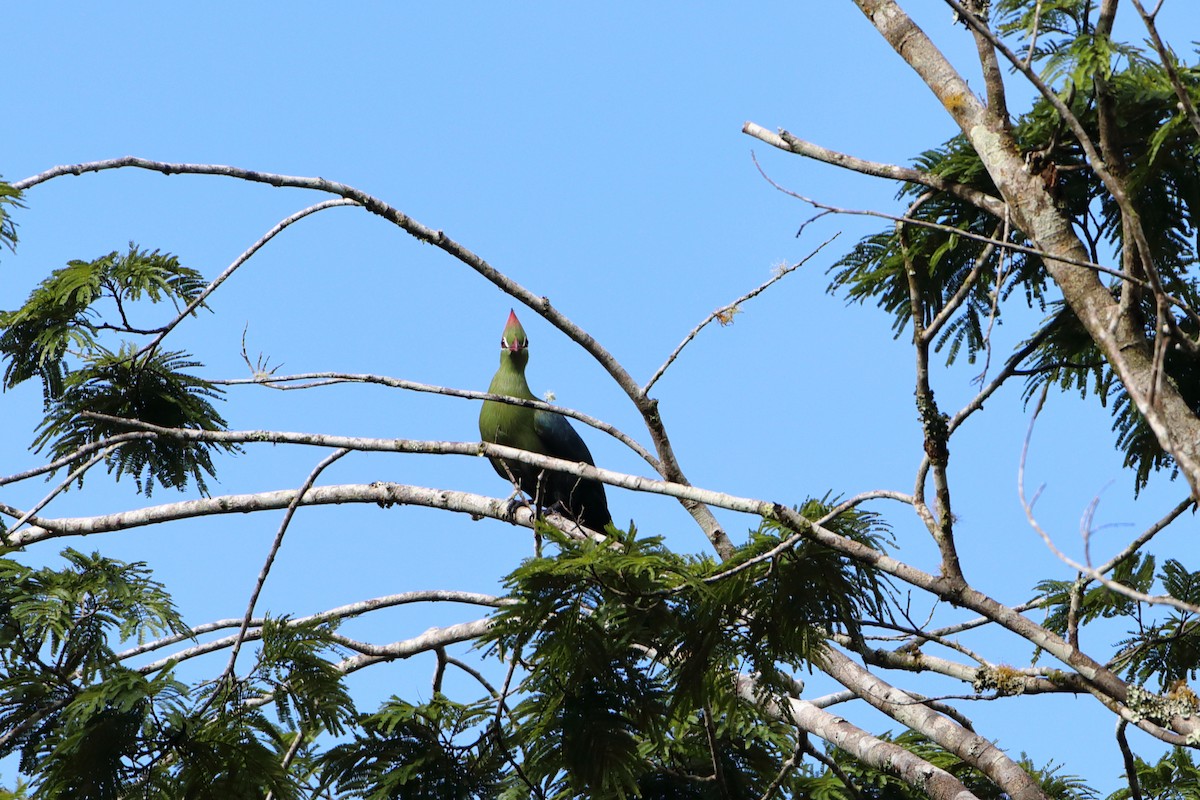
544, 432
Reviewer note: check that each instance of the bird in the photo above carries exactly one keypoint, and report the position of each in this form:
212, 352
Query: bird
538, 431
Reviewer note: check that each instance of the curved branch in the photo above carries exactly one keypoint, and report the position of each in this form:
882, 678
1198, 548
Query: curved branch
77, 473
273, 552
59, 463
237, 262
332, 378
726, 312
646, 406
348, 611
789, 143
429, 640
386, 494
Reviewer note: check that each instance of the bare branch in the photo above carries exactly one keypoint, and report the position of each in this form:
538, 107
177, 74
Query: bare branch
1084, 569
427, 641
934, 425
316, 379
1013, 246
1135, 792
390, 494
274, 551
970, 747
993, 78
1168, 61
1147, 535
725, 313
339, 613
55, 492
891, 758
237, 262
786, 141
91, 447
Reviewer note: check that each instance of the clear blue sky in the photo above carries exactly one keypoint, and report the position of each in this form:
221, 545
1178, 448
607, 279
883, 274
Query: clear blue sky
594, 154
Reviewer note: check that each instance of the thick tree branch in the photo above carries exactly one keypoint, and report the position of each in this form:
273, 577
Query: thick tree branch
1124, 344
388, 494
902, 707
886, 756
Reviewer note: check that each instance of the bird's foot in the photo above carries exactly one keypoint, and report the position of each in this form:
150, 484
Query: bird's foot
515, 501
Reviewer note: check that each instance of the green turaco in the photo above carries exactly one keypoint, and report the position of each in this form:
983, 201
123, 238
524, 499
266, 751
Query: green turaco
544, 432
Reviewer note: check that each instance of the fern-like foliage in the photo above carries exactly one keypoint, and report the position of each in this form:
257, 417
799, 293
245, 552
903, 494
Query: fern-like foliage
153, 388
1162, 648
1098, 601
76, 716
634, 651
1175, 776
1158, 158
941, 260
58, 336
308, 688
1167, 649
10, 198
440, 750
87, 726
235, 752
61, 314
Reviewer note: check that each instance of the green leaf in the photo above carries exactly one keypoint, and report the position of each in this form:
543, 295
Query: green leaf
10, 198
154, 389
306, 685
60, 315
429, 751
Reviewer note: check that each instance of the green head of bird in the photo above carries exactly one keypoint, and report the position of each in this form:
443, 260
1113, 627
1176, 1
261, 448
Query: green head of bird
514, 344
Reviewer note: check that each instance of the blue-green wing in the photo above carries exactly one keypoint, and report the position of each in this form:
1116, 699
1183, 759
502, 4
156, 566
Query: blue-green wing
559, 438
581, 498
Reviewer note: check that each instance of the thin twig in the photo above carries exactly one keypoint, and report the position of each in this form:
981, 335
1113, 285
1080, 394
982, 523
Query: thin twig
726, 312
1147, 535
787, 766
75, 455
1084, 569
348, 611
937, 226
237, 262
787, 142
1168, 62
274, 551
56, 491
